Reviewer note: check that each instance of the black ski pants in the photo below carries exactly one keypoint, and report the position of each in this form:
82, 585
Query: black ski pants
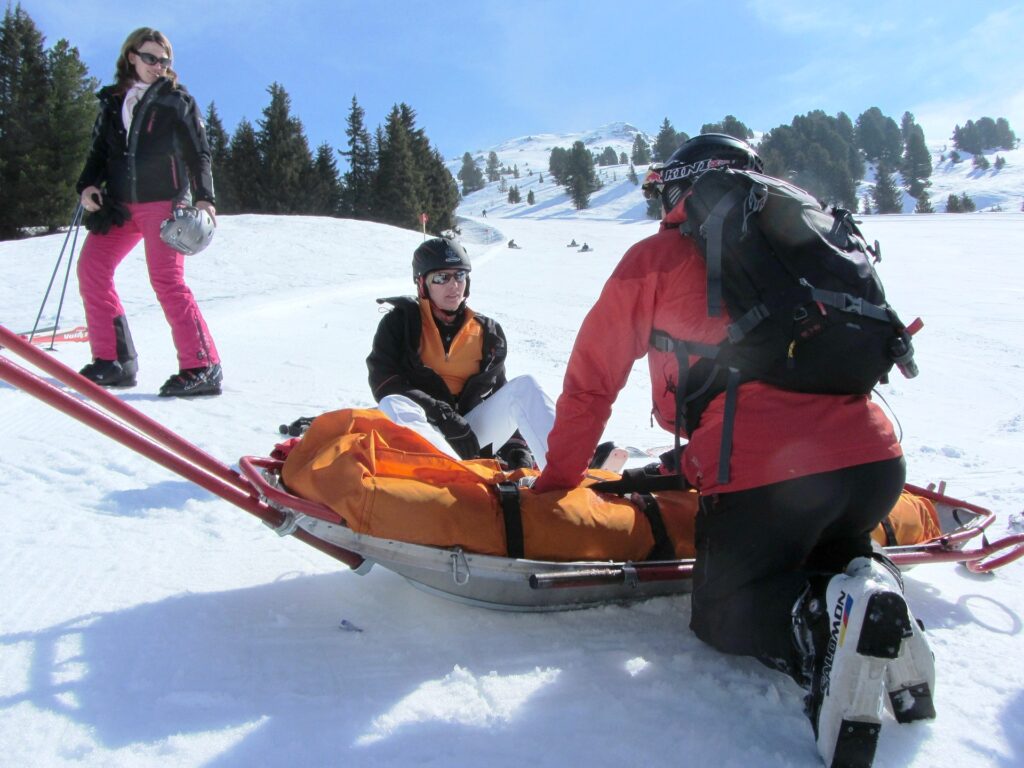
757, 550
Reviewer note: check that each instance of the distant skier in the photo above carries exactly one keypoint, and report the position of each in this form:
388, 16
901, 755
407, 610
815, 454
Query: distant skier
512, 244
585, 248
573, 244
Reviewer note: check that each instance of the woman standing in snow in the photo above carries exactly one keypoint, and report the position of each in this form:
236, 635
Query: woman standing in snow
149, 156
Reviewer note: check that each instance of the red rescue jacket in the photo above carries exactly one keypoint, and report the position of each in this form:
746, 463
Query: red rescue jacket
778, 435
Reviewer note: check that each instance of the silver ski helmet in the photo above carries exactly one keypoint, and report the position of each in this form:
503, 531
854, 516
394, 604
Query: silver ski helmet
699, 154
438, 253
188, 231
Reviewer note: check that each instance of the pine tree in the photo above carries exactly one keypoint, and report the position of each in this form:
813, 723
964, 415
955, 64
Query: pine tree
632, 177
437, 191
580, 180
326, 191
730, 126
924, 203
244, 169
887, 195
953, 204
623, 159
470, 176
879, 137
558, 164
530, 198
641, 153
61, 149
917, 160
966, 203
814, 153
285, 157
397, 185
220, 145
608, 157
667, 142
358, 195
23, 120
493, 168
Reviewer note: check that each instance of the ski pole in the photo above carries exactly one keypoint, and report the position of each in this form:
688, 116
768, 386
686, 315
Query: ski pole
76, 222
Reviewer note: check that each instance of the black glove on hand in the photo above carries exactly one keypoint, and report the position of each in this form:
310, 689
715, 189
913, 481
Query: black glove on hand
110, 214
457, 432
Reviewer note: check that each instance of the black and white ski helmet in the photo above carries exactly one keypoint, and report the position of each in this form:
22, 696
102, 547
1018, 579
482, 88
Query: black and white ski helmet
439, 253
188, 231
699, 154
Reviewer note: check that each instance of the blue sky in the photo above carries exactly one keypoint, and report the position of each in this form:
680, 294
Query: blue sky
480, 72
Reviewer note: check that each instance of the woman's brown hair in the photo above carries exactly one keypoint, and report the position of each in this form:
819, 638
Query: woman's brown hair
125, 71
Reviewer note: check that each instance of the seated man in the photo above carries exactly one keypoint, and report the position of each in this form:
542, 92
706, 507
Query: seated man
438, 367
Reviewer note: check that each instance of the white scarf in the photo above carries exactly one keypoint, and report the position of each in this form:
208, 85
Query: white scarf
131, 101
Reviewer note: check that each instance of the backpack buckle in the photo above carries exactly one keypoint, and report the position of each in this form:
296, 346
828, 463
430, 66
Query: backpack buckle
852, 304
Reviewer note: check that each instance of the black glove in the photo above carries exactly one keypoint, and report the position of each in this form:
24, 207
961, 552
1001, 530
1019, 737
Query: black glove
457, 432
110, 214
297, 427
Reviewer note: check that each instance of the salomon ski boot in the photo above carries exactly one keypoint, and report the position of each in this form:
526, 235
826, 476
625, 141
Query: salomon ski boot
856, 633
910, 678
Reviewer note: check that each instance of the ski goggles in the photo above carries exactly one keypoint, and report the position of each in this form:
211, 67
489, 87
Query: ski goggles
150, 59
441, 278
653, 183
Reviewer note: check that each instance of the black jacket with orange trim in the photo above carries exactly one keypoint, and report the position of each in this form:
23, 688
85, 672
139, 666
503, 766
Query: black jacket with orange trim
395, 367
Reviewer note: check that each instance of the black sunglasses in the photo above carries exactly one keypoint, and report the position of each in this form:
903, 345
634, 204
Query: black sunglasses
440, 278
150, 59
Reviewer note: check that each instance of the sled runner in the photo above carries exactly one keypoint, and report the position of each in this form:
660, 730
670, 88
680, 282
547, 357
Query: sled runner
492, 579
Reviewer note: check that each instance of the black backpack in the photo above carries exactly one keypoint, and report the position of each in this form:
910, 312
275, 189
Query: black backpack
808, 312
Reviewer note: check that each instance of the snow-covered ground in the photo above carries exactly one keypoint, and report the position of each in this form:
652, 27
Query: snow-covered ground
145, 622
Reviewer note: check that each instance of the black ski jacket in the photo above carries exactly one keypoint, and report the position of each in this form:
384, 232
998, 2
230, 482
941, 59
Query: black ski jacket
165, 157
395, 366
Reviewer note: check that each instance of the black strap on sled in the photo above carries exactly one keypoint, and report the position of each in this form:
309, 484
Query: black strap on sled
663, 548
508, 500
638, 481
639, 486
890, 532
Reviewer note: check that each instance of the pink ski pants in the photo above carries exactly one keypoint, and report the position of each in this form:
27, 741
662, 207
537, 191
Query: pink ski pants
99, 258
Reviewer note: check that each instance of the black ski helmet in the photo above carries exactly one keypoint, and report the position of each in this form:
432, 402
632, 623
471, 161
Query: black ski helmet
438, 253
699, 154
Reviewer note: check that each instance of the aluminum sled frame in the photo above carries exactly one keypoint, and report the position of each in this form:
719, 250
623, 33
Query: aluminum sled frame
482, 580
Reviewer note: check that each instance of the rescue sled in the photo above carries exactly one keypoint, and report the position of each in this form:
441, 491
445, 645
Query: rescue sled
487, 580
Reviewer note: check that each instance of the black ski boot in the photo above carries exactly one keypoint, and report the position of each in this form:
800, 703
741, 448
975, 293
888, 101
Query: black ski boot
515, 454
111, 373
193, 382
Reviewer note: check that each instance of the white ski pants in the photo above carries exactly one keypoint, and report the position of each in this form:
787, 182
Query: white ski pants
520, 404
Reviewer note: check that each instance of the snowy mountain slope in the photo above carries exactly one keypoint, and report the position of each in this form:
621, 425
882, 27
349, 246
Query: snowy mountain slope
147, 623
990, 189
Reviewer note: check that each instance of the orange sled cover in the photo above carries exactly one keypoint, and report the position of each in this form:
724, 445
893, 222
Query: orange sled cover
386, 481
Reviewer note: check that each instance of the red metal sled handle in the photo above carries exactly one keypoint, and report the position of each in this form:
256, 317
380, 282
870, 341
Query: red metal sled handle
252, 469
119, 408
92, 417
986, 563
